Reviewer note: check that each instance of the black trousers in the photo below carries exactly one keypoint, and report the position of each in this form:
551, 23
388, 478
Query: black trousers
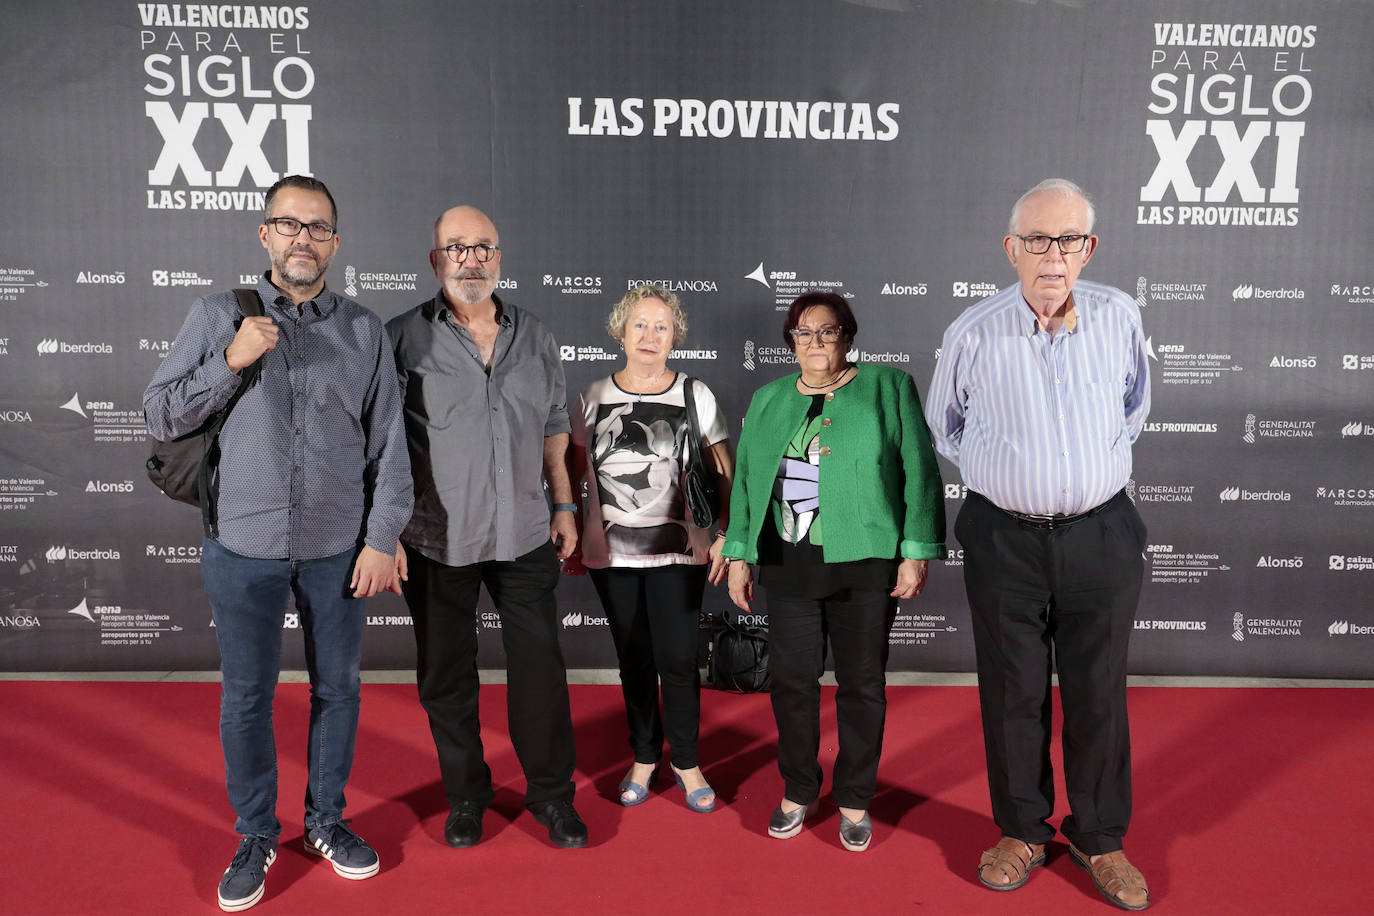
443, 604
857, 622
1066, 599
653, 617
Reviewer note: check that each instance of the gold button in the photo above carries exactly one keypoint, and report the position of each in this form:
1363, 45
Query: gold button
830, 396
825, 421
825, 450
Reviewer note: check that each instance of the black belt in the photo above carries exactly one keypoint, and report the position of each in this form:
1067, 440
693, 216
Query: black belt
1049, 522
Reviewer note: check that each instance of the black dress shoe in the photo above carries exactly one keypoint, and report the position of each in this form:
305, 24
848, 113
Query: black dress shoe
464, 824
565, 827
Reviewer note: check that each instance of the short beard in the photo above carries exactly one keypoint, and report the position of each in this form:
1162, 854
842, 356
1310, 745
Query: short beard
298, 277
473, 290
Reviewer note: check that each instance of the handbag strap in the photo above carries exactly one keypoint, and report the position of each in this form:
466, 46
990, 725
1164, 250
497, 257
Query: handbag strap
693, 424
250, 305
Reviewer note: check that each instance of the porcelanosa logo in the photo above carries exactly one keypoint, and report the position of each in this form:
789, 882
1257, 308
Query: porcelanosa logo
676, 286
214, 72
1233, 494
1227, 102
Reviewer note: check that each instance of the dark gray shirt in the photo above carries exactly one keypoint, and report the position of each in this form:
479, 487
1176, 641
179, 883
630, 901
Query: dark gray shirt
313, 458
477, 439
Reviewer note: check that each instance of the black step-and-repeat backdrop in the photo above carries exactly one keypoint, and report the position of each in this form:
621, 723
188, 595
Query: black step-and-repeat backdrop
738, 153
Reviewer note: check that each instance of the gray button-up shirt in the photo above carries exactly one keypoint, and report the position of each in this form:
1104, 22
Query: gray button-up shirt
313, 458
477, 439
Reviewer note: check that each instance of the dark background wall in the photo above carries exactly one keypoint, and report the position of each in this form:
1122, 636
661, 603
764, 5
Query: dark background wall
1228, 146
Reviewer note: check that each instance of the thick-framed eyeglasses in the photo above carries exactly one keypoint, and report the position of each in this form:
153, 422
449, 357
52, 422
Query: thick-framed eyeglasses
285, 225
458, 253
1039, 244
826, 335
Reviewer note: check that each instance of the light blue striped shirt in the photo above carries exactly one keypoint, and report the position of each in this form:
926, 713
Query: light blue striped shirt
1039, 424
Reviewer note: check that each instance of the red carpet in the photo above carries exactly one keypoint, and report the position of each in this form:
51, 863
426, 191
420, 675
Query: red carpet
1247, 801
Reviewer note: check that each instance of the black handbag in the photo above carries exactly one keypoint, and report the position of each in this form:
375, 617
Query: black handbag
737, 657
187, 468
699, 482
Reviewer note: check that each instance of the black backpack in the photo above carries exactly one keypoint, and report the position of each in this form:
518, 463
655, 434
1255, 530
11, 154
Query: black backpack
187, 468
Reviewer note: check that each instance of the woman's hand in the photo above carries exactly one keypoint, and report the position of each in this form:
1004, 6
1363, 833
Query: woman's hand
911, 578
741, 578
718, 565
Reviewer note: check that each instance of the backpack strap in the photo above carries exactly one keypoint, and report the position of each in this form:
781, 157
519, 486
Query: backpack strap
250, 305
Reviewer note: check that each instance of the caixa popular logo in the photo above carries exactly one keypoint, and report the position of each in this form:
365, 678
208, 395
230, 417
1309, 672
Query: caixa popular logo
970, 289
956, 491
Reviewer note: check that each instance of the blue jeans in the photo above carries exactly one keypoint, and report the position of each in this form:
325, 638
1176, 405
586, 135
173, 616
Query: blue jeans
248, 601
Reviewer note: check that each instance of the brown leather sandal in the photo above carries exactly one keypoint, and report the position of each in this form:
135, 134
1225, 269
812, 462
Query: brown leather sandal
1010, 858
1117, 879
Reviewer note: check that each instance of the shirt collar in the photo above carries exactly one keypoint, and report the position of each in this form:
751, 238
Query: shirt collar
321, 306
438, 310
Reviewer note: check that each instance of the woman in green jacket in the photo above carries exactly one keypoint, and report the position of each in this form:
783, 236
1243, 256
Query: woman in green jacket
837, 502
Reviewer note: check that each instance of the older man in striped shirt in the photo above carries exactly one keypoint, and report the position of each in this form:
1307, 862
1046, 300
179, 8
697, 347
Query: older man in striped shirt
1039, 392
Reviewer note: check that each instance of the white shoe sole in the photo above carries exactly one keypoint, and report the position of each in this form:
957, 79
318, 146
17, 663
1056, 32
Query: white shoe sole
345, 871
243, 903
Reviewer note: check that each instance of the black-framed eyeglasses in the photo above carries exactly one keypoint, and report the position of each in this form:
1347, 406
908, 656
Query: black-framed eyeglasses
827, 335
289, 227
1039, 244
458, 253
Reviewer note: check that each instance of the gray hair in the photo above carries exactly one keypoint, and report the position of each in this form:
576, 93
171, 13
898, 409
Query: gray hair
615, 324
1053, 186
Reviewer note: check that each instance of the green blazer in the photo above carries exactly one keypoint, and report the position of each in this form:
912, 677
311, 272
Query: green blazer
880, 488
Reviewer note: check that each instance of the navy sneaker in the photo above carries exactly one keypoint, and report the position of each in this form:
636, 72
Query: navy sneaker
345, 850
241, 886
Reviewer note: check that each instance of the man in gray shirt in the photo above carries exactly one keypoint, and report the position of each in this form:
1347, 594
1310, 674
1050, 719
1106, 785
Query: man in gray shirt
486, 421
314, 488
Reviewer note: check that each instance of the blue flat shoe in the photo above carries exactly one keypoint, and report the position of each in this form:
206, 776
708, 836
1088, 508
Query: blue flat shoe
634, 793
694, 797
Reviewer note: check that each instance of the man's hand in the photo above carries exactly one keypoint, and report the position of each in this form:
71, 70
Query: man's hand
256, 335
741, 586
374, 572
563, 532
911, 578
